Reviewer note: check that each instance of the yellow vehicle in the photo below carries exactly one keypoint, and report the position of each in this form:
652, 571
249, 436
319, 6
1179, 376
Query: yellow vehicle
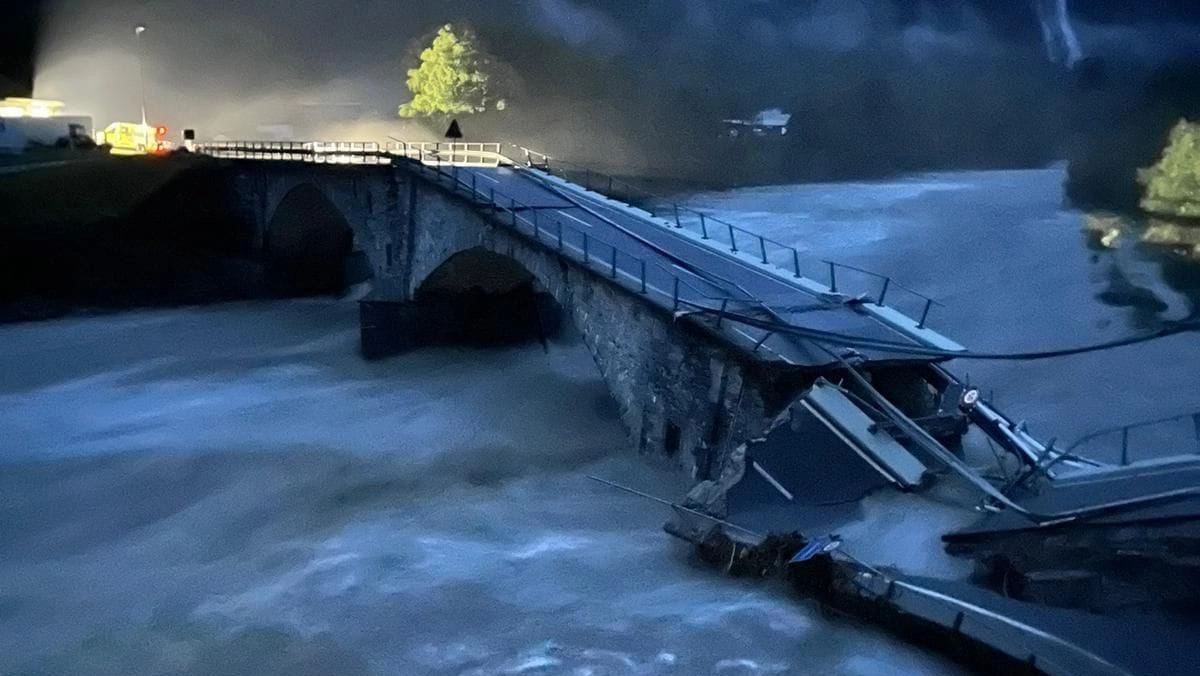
132, 138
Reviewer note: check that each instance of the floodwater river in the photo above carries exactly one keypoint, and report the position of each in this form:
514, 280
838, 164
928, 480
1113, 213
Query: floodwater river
232, 490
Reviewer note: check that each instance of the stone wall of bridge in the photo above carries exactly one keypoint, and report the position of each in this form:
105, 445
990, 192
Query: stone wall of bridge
682, 391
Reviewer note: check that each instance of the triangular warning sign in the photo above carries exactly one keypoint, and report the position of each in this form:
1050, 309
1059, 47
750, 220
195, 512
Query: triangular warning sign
453, 131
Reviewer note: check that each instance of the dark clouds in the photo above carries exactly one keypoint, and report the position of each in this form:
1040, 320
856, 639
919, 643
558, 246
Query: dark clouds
18, 37
615, 67
251, 48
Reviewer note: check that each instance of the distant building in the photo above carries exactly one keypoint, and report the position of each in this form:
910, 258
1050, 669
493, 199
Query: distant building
21, 107
26, 123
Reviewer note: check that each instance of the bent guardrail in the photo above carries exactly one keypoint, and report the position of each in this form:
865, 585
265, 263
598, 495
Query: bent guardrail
735, 239
1117, 438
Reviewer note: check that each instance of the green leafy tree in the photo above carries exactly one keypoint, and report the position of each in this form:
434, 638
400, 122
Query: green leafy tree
454, 78
1172, 186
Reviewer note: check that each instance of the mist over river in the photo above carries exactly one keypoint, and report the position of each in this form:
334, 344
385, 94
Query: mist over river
233, 490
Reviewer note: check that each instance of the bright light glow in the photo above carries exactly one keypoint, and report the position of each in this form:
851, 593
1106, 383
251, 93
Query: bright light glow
161, 131
21, 107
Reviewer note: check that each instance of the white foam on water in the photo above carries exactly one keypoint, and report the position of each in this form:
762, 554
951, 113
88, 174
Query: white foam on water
235, 481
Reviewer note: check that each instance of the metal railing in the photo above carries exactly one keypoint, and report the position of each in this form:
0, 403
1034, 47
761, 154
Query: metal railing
460, 154
1165, 431
734, 239
681, 290
317, 152
358, 152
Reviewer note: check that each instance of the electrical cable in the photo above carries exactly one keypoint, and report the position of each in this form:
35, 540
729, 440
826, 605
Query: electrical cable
833, 337
836, 338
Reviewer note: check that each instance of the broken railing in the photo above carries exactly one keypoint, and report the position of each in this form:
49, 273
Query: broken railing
840, 278
1159, 432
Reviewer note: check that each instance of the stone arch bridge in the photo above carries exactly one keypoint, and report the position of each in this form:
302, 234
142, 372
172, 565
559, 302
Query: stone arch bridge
644, 292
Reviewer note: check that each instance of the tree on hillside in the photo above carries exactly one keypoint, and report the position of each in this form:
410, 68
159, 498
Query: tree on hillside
455, 77
1173, 185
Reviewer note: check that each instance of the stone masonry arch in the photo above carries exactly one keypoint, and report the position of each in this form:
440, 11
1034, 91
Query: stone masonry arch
682, 390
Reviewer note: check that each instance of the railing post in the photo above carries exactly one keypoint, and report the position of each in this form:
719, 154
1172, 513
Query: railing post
796, 261
884, 290
585, 249
732, 239
762, 247
724, 306
676, 207
614, 262
560, 242
474, 192
643, 265
1124, 446
536, 227
675, 296
703, 227
610, 181
925, 313
832, 276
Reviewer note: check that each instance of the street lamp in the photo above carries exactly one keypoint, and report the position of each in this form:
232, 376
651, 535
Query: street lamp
137, 31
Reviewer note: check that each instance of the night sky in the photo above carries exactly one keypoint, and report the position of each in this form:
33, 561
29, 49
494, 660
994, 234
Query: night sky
909, 69
18, 37
317, 38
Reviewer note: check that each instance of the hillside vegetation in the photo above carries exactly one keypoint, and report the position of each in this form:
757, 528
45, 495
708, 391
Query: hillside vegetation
1172, 185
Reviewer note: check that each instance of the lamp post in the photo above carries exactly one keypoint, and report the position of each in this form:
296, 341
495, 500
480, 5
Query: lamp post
137, 31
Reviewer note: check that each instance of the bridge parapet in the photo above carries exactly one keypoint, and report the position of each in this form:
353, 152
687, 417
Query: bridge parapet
451, 154
359, 152
316, 152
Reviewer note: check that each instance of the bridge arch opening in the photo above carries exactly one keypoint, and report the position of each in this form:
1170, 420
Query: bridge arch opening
308, 245
481, 298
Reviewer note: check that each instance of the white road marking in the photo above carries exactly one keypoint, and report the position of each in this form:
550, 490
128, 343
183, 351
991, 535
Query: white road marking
575, 218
